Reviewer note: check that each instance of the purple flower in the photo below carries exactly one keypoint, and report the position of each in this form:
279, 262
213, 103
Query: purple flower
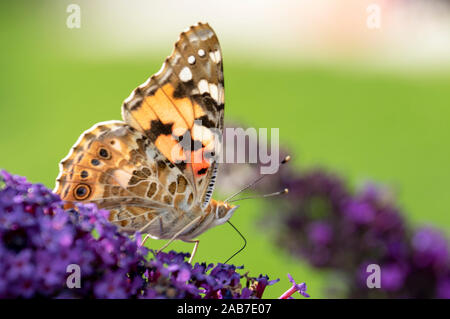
430, 248
51, 269
111, 286
360, 212
20, 265
39, 239
301, 288
320, 233
261, 283
393, 277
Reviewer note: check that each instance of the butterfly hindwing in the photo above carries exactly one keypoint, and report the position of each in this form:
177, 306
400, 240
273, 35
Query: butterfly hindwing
116, 167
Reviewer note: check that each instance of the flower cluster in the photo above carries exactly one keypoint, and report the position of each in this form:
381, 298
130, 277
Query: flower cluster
170, 276
42, 245
39, 241
322, 221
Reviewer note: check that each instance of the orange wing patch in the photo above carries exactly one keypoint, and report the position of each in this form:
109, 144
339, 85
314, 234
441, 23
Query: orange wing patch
163, 107
166, 120
170, 148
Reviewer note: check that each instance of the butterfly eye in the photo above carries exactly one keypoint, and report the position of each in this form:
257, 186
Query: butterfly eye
81, 192
103, 153
221, 211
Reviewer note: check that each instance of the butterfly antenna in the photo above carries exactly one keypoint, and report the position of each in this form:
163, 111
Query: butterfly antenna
242, 248
284, 191
284, 161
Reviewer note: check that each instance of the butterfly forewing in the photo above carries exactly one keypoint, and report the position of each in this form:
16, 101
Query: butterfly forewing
181, 108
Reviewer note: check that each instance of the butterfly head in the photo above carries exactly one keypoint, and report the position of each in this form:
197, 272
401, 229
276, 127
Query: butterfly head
223, 212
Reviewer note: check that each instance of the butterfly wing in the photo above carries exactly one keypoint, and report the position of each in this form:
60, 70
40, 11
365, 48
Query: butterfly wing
180, 108
162, 160
118, 168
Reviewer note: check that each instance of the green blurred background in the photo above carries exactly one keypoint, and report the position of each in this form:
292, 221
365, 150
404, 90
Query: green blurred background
359, 119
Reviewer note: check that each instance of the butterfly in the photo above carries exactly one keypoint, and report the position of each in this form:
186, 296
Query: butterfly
155, 171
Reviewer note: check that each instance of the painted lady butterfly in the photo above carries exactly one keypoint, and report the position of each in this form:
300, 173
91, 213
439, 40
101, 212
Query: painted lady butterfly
139, 169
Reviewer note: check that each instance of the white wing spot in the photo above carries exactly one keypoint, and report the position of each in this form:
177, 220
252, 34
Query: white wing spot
213, 90
222, 97
191, 59
218, 57
212, 56
201, 53
203, 86
185, 74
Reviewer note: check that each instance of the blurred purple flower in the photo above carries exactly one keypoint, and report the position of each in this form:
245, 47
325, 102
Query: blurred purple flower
430, 249
111, 286
392, 277
444, 289
320, 233
322, 221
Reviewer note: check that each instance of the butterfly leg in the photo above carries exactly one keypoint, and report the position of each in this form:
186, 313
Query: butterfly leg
180, 232
193, 250
147, 236
144, 240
